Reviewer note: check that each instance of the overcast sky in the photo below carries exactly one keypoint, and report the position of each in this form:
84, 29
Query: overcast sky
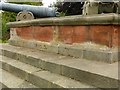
46, 3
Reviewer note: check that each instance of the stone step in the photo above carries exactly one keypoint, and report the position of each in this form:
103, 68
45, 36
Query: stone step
86, 50
39, 77
94, 73
8, 80
2, 86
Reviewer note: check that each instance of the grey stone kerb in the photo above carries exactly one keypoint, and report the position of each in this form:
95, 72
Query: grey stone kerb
98, 19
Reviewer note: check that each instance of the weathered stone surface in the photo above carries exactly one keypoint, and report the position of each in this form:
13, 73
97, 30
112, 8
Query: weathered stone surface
76, 52
17, 68
81, 34
98, 53
115, 56
100, 34
2, 85
98, 19
63, 49
11, 81
55, 68
69, 50
60, 80
104, 56
8, 53
25, 32
89, 77
90, 8
38, 77
109, 7
30, 44
95, 73
65, 34
99, 29
37, 33
44, 33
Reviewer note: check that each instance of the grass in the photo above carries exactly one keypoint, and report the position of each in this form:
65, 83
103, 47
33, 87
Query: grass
3, 41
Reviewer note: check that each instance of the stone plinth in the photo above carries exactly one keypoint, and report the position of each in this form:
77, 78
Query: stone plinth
101, 30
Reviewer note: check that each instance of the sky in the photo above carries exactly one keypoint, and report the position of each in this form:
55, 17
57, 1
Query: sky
46, 3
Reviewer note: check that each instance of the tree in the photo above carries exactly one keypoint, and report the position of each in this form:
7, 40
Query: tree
69, 8
29, 3
6, 17
10, 17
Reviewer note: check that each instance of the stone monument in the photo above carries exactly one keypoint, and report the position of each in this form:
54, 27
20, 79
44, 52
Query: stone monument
99, 7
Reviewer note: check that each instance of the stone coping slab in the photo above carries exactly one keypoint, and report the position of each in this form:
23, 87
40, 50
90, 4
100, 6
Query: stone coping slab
98, 19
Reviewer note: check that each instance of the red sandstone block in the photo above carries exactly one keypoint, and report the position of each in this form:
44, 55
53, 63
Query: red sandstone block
102, 35
106, 35
116, 36
66, 34
81, 34
25, 32
44, 33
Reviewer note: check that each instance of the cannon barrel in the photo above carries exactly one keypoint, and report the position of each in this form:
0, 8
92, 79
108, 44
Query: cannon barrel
38, 11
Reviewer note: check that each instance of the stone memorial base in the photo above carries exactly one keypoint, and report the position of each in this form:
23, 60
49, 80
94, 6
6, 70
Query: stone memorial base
93, 37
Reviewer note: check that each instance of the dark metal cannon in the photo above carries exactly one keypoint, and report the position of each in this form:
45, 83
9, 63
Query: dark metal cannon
37, 11
29, 11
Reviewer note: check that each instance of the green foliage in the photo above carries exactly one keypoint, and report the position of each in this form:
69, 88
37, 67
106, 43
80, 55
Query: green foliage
6, 17
69, 8
62, 14
11, 17
29, 3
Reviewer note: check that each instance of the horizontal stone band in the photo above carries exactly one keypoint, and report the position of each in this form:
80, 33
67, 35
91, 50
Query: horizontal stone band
98, 19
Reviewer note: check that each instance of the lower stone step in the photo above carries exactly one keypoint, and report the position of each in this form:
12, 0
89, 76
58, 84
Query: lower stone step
86, 50
8, 80
38, 77
94, 73
2, 86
